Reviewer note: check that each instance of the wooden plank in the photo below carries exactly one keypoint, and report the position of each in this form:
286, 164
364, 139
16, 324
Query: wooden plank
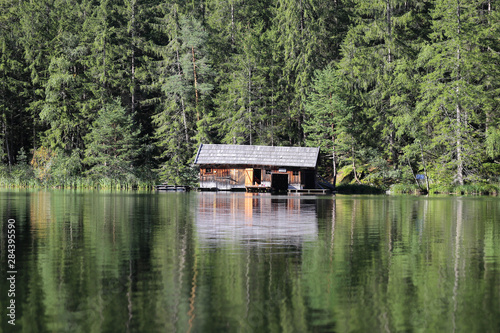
248, 176
257, 188
310, 191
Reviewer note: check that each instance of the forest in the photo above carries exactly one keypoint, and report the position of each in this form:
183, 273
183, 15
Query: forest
122, 92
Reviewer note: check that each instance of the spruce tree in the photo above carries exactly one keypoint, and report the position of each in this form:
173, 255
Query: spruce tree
16, 122
241, 101
377, 66
296, 42
183, 119
329, 122
113, 143
454, 89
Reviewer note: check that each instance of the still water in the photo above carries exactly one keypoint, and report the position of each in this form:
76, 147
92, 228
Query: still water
96, 261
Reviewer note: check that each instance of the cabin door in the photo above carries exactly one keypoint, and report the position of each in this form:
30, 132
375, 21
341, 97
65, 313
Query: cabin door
257, 176
308, 179
248, 177
279, 182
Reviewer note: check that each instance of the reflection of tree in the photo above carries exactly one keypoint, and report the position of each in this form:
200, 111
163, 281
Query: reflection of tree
432, 272
456, 257
398, 263
192, 297
40, 212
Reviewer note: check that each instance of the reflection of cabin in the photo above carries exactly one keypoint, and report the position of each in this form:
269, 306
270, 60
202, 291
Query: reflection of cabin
265, 220
229, 167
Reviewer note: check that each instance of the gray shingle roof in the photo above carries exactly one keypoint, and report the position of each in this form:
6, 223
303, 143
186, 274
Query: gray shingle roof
257, 155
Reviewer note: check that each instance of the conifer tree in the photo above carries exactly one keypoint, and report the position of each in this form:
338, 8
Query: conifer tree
297, 36
183, 120
66, 106
15, 122
453, 90
241, 100
378, 53
420, 78
329, 122
113, 143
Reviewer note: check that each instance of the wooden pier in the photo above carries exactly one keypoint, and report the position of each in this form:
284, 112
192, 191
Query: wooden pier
248, 188
266, 189
258, 188
310, 191
172, 188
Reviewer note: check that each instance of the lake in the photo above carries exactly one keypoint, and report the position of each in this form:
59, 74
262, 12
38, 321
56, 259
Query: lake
98, 261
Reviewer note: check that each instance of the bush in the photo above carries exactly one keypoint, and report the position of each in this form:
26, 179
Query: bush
406, 189
358, 189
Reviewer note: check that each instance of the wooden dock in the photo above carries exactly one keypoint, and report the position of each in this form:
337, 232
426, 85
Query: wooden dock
266, 189
172, 188
248, 188
310, 191
257, 188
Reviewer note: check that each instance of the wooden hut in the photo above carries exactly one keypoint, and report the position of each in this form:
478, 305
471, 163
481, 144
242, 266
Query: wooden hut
231, 167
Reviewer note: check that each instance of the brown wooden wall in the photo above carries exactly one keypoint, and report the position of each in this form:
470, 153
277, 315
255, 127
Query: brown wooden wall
236, 176
222, 177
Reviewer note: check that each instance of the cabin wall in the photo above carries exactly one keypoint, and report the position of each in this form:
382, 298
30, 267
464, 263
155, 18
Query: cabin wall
294, 177
226, 178
222, 178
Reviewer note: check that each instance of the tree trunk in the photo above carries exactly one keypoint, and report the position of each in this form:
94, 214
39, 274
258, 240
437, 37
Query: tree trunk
7, 145
249, 101
232, 26
389, 31
460, 163
412, 172
425, 167
488, 114
334, 157
132, 23
354, 165
104, 64
334, 162
394, 153
195, 84
184, 120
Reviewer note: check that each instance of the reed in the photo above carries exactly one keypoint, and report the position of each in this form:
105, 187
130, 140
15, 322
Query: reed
77, 182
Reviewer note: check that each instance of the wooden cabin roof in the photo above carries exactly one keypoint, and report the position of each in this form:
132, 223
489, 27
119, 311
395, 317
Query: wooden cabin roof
305, 157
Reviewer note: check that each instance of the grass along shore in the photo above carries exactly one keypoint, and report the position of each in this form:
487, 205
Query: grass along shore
467, 189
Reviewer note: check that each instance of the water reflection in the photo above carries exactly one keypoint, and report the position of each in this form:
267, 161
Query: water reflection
255, 219
212, 262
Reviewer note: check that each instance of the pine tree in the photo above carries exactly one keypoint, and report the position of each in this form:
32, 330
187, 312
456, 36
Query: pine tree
241, 100
490, 55
183, 120
453, 90
298, 33
15, 122
329, 122
377, 66
113, 143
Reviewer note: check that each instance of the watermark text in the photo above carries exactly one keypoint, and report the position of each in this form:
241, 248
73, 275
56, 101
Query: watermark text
11, 270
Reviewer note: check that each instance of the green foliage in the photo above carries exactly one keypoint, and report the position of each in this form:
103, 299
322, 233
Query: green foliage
409, 86
405, 189
21, 173
452, 91
493, 142
328, 115
358, 189
42, 162
66, 168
